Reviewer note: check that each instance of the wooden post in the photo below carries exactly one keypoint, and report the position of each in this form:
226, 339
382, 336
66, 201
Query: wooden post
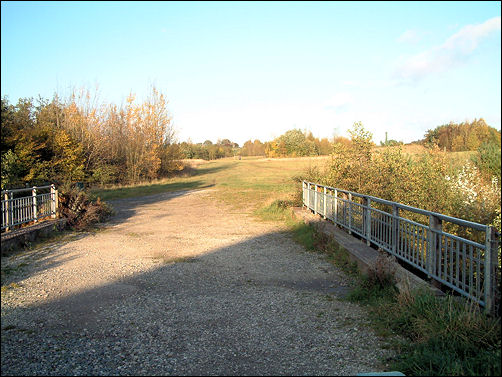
367, 220
491, 265
435, 229
395, 229
6, 208
34, 195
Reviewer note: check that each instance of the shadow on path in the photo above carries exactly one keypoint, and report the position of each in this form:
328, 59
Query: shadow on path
257, 307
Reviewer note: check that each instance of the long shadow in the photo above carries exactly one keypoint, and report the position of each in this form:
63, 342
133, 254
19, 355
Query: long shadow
204, 169
258, 307
148, 189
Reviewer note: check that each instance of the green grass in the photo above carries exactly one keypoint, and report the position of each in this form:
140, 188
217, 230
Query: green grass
247, 180
446, 336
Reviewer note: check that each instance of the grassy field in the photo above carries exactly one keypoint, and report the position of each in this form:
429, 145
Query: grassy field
248, 184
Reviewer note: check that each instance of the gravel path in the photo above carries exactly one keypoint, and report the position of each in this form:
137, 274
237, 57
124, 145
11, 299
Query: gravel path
174, 284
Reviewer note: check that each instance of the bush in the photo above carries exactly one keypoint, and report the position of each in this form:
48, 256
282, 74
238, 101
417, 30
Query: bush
80, 210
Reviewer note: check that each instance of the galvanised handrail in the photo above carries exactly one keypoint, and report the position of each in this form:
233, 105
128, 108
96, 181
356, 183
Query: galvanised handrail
28, 208
464, 265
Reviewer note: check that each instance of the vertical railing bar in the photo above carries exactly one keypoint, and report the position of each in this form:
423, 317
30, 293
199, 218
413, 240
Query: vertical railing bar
488, 269
390, 233
414, 252
379, 227
395, 229
478, 274
401, 238
464, 264
457, 267
444, 257
324, 203
406, 240
471, 272
421, 247
308, 195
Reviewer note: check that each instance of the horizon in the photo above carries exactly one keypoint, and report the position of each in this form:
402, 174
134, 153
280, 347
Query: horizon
245, 71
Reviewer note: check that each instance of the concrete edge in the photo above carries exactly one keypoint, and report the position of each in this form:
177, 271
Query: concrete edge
359, 252
16, 239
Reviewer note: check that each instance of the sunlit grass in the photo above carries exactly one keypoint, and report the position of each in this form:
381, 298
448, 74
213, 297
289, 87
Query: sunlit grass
247, 184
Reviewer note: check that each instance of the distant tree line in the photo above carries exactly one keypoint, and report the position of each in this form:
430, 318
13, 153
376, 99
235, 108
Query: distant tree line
464, 136
209, 151
293, 143
473, 136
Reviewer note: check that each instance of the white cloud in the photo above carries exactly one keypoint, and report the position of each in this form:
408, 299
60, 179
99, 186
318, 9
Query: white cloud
410, 36
454, 51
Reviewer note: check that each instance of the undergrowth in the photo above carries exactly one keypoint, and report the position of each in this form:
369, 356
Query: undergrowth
80, 209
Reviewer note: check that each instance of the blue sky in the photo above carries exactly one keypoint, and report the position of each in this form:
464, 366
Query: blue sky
246, 70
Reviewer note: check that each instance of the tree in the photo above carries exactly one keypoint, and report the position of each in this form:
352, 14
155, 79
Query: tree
361, 148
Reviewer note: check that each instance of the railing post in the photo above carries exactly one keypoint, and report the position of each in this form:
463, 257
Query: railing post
303, 194
11, 208
350, 213
491, 264
308, 195
367, 220
395, 229
315, 199
435, 228
34, 195
7, 210
324, 203
335, 215
56, 201
53, 201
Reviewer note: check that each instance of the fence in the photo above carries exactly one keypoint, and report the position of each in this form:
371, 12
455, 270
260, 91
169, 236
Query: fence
467, 266
19, 208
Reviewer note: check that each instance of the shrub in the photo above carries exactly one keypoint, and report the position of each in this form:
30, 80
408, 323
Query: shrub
382, 273
80, 210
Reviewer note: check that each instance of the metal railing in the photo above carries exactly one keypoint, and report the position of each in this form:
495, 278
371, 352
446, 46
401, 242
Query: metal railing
19, 208
468, 266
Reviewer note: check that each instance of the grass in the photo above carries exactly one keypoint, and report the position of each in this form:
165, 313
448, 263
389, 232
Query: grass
244, 184
445, 336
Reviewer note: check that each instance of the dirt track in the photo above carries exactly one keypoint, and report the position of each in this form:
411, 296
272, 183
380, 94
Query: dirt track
175, 284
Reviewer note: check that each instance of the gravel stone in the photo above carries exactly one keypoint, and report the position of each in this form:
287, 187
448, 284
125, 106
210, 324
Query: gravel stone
176, 284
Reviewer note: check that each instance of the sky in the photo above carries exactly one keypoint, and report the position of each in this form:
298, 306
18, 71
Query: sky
253, 70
